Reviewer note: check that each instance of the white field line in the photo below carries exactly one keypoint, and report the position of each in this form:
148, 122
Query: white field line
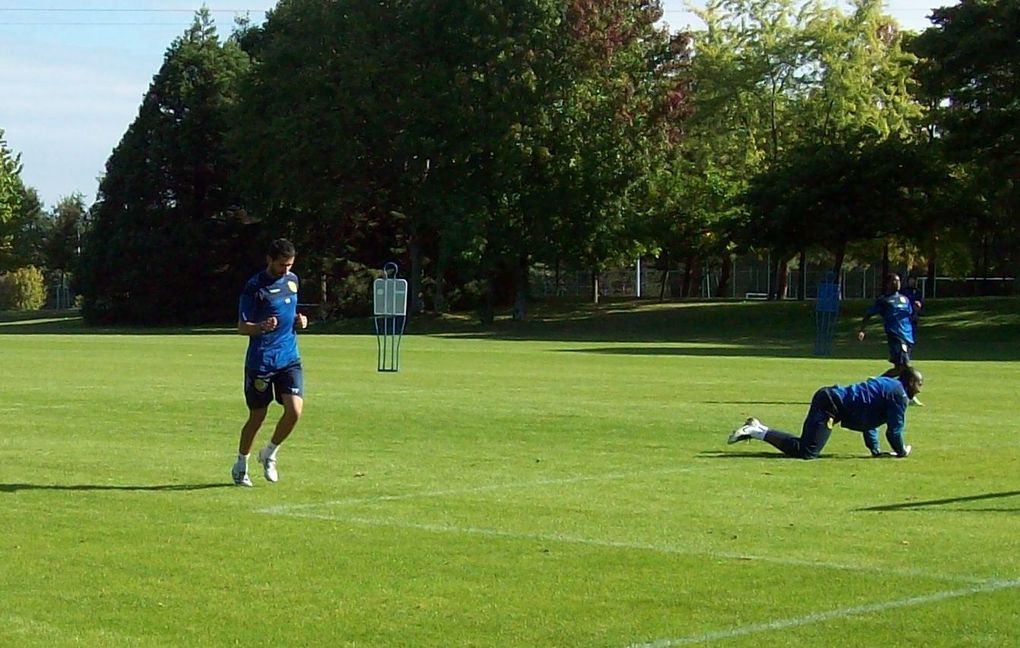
286, 509
831, 615
307, 511
616, 544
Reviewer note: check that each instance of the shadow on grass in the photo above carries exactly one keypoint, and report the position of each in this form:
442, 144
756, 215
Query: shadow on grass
951, 329
71, 323
14, 488
750, 402
940, 503
775, 454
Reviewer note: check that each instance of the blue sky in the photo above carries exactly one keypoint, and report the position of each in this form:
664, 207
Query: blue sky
73, 73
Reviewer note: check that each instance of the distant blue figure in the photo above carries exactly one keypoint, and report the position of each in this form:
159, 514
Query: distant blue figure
897, 311
826, 314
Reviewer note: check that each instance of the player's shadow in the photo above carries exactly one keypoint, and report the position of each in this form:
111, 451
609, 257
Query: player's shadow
939, 503
775, 454
755, 402
14, 488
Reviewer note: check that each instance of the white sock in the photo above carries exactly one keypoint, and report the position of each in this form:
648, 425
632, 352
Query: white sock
272, 448
242, 459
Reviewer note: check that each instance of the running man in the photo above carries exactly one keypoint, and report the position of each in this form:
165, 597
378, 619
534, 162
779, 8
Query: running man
863, 407
268, 315
897, 311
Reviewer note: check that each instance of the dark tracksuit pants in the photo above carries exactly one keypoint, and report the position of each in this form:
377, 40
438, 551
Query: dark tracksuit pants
815, 433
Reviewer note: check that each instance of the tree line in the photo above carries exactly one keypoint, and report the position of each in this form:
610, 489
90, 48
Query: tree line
471, 140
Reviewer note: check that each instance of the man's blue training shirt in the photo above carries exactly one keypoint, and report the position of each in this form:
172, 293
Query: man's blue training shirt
866, 405
264, 297
896, 310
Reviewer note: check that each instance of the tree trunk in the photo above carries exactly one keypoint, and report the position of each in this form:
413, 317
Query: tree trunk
662, 286
324, 296
802, 293
487, 312
929, 285
521, 287
439, 285
782, 266
685, 288
696, 276
414, 248
556, 279
724, 274
837, 264
885, 263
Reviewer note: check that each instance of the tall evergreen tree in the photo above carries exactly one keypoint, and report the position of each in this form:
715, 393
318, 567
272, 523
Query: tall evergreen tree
970, 71
164, 242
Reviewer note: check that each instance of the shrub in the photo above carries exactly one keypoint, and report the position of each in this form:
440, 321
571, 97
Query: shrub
22, 289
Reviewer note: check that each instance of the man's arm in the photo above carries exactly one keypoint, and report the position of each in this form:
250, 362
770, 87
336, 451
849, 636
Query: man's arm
897, 423
256, 328
871, 442
246, 311
864, 320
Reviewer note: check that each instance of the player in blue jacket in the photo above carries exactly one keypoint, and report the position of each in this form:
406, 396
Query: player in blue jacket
863, 407
897, 311
269, 316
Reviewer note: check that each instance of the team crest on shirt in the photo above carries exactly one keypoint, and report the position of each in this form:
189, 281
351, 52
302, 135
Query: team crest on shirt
903, 299
261, 384
292, 285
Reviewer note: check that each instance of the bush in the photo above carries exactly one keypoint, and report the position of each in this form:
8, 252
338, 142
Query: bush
353, 293
23, 289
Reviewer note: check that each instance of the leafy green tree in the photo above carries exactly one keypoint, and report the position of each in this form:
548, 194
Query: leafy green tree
970, 72
10, 194
776, 77
468, 138
167, 240
63, 245
23, 289
26, 231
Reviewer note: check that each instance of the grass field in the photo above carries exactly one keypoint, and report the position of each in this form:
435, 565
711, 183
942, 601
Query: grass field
561, 482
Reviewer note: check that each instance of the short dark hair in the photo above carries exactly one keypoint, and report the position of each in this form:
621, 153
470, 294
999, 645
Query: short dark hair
910, 373
281, 248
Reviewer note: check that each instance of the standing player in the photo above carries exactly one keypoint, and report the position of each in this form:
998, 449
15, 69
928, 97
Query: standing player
897, 313
268, 315
862, 406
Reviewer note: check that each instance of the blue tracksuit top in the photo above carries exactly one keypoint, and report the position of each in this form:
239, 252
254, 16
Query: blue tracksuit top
866, 405
262, 297
896, 310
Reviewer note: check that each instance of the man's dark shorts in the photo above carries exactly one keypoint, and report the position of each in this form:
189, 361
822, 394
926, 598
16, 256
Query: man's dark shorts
260, 389
899, 351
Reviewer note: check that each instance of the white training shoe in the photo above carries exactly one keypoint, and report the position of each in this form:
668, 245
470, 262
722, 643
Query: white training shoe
268, 465
239, 472
744, 432
906, 452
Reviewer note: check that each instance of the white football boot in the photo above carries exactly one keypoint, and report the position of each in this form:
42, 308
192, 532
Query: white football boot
743, 433
268, 465
239, 472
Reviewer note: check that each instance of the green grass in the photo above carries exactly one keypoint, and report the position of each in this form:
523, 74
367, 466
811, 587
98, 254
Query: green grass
560, 482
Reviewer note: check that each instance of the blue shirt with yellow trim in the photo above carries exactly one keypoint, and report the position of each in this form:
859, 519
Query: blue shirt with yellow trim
896, 310
263, 297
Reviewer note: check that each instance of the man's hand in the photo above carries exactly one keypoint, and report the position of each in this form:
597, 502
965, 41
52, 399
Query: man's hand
269, 324
302, 321
860, 335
